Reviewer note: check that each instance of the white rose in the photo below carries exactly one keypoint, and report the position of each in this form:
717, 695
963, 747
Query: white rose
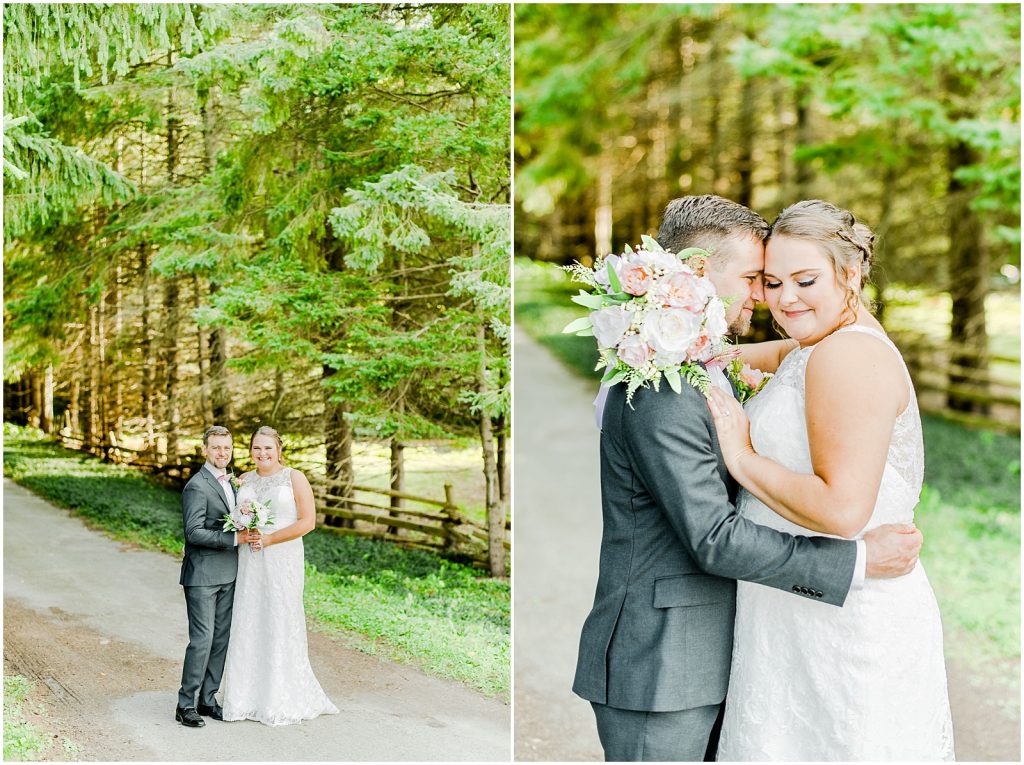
715, 326
610, 324
707, 287
670, 332
664, 261
601, 274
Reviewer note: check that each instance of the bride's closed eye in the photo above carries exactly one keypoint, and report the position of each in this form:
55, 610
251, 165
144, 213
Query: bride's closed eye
769, 285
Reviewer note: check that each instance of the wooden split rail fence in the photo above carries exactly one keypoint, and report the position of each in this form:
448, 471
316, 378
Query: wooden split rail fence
939, 376
439, 525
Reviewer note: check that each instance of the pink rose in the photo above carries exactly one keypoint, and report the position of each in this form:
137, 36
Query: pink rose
634, 351
750, 376
702, 344
636, 278
681, 290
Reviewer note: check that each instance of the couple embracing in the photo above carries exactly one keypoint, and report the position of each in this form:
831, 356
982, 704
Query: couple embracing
829, 645
243, 590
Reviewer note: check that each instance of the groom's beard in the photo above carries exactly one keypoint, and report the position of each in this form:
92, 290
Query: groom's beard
740, 325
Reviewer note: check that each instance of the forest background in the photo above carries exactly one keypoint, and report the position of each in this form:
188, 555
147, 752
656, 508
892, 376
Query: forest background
292, 215
908, 115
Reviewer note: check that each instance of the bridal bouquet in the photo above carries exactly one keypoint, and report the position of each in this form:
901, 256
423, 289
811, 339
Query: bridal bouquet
248, 516
653, 313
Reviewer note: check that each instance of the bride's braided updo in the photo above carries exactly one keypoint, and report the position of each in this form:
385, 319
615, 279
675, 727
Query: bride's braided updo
266, 430
841, 237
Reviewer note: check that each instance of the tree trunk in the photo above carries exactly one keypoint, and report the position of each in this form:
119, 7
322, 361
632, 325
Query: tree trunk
717, 89
879, 276
203, 358
969, 267
495, 507
397, 480
93, 428
169, 363
172, 296
804, 171
603, 212
118, 371
46, 415
656, 194
220, 399
783, 153
148, 360
338, 443
747, 134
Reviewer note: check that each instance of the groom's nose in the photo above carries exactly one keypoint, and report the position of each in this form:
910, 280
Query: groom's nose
757, 290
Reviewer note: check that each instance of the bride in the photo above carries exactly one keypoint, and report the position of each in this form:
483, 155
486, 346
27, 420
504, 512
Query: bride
833, 445
267, 676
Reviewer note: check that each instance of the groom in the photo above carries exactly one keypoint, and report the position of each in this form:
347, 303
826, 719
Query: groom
208, 577
656, 649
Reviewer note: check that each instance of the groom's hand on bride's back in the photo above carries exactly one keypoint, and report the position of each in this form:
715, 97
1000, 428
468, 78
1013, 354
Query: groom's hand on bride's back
892, 550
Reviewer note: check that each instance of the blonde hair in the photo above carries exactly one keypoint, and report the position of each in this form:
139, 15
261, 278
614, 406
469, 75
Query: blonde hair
842, 239
266, 430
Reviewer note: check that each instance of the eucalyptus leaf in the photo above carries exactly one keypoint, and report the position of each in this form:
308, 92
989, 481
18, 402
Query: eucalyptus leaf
576, 325
674, 380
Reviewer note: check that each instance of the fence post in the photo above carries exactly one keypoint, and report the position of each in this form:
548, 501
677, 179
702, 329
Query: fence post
452, 520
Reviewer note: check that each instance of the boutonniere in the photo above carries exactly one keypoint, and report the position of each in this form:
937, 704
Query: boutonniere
235, 482
747, 380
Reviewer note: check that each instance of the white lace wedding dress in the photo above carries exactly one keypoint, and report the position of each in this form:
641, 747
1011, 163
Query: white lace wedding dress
267, 676
813, 682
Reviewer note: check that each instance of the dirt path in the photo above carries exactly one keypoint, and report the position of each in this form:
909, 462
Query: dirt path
558, 532
101, 629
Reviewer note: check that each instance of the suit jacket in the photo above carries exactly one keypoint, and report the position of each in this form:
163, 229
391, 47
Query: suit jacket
659, 636
210, 554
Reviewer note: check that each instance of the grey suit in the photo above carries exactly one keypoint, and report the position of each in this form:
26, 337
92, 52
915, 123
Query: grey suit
659, 636
208, 575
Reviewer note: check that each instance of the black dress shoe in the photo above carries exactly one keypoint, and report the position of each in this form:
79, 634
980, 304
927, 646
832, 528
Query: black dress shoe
189, 717
216, 712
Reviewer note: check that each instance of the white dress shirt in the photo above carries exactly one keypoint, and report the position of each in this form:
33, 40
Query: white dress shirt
225, 486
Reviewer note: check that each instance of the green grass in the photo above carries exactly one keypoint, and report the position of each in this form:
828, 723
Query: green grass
22, 741
409, 605
970, 504
970, 516
542, 308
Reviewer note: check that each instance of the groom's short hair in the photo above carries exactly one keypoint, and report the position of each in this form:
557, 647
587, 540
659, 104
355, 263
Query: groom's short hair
705, 221
215, 430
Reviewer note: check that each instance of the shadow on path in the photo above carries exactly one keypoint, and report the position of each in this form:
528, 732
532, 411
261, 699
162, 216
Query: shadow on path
101, 630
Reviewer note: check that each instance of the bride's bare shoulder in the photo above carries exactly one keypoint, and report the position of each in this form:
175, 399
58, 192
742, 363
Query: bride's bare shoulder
856, 365
296, 475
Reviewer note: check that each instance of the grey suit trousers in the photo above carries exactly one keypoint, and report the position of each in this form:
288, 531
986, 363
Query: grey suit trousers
637, 736
209, 626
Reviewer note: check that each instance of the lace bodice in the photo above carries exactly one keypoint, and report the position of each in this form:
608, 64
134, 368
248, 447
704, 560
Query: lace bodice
778, 430
812, 682
276, 489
